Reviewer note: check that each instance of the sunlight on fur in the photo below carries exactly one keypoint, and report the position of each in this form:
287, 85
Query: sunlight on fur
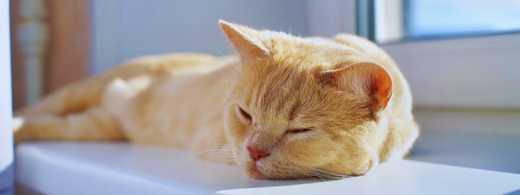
285, 108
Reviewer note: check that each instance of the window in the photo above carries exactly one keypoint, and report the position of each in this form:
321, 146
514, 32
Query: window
411, 20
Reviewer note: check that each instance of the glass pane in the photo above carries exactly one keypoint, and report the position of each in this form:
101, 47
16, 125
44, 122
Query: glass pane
403, 20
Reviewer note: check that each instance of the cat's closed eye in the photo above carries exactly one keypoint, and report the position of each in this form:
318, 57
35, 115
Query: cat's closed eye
245, 115
298, 130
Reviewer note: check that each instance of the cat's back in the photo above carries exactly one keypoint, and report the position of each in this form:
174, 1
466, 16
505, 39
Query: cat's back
179, 95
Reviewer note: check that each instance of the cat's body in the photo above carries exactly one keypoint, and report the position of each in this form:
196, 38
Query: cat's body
273, 112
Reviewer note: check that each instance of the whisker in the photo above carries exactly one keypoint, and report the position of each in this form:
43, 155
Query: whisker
223, 161
306, 174
295, 176
234, 82
218, 71
243, 87
228, 60
229, 95
233, 65
331, 174
220, 159
318, 175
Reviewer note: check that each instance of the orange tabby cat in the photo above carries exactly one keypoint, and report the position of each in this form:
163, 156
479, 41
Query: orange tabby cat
290, 107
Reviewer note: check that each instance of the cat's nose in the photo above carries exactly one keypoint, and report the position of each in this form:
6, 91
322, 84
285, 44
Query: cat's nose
256, 154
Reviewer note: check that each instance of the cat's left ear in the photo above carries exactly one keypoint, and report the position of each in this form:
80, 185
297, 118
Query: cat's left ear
249, 43
366, 80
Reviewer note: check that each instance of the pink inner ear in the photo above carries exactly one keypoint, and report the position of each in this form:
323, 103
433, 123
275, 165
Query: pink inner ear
381, 89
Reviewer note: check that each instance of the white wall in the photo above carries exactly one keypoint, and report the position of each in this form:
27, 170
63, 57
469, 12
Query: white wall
124, 29
329, 17
6, 127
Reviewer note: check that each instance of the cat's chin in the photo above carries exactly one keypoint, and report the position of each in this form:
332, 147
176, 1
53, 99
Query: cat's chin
254, 173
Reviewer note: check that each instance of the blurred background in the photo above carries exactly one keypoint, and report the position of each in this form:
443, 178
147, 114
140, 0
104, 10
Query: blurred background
461, 57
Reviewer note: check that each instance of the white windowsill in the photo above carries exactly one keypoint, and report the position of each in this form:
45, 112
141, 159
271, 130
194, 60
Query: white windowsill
119, 168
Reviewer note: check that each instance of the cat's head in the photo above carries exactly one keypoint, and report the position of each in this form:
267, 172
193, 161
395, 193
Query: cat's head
304, 106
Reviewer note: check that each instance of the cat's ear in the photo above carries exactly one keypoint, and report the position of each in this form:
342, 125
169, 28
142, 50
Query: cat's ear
248, 42
366, 80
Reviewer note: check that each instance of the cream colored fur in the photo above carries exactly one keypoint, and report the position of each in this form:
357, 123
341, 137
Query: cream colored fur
347, 93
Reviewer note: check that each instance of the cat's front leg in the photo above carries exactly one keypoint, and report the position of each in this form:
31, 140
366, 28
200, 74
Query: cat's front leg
399, 140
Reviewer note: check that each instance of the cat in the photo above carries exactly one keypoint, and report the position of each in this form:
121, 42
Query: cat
286, 107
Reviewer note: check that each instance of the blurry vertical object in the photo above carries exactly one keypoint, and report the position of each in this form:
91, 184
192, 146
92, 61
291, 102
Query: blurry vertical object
68, 56
33, 37
365, 18
17, 60
389, 20
49, 39
381, 21
6, 128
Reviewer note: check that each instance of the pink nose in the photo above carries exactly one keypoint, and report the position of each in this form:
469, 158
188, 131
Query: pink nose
256, 154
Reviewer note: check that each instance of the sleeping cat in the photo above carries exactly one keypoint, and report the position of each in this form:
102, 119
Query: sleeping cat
286, 107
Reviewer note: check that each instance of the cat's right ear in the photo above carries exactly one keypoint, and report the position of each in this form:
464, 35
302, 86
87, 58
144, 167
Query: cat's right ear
366, 80
249, 43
